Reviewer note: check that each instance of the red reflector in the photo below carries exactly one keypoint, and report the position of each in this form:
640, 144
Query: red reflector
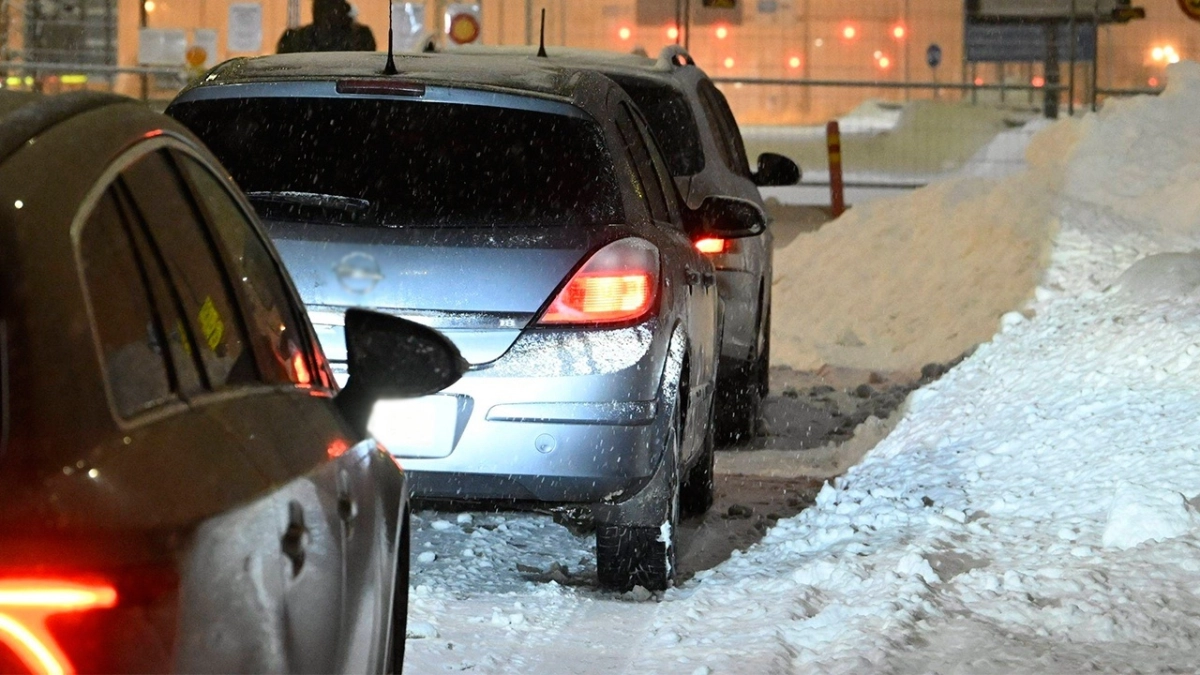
384, 87
25, 604
618, 283
711, 245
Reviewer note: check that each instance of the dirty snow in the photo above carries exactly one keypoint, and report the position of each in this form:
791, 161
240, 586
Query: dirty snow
1033, 510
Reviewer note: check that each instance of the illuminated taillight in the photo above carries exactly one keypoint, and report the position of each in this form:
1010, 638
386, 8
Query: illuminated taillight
711, 245
26, 604
618, 283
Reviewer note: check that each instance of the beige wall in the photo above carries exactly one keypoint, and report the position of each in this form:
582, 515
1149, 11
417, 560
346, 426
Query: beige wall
761, 46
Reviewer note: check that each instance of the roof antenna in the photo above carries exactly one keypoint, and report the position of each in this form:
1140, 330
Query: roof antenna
542, 37
389, 68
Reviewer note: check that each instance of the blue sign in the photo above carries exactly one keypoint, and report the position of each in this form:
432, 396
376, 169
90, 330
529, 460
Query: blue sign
1015, 42
933, 56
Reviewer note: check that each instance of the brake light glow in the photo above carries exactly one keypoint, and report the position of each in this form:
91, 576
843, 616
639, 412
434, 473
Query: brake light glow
618, 283
712, 245
25, 604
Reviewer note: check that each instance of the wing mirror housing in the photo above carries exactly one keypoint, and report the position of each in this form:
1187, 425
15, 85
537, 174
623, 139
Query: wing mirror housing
727, 218
776, 170
390, 357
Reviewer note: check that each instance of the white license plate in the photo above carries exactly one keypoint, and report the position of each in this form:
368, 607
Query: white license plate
416, 427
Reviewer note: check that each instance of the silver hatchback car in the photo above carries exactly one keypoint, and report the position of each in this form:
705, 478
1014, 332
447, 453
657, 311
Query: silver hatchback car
523, 209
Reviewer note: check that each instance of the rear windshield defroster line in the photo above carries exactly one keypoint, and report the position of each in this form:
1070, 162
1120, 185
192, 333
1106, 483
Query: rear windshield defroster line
415, 163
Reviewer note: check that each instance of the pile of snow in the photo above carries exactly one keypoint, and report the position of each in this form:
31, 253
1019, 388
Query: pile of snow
1034, 511
883, 142
898, 283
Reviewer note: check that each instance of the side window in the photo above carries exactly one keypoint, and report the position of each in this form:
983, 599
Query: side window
204, 294
271, 316
733, 151
131, 339
635, 147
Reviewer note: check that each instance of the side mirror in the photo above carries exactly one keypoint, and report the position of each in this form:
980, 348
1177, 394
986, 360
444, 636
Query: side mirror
390, 357
726, 217
776, 170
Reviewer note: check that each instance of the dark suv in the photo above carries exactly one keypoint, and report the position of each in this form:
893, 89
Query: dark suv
703, 148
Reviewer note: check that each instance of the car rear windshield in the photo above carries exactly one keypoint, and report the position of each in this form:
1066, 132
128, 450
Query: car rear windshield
408, 163
670, 118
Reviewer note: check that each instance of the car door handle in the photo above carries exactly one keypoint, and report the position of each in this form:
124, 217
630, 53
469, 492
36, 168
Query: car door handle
693, 277
709, 279
295, 537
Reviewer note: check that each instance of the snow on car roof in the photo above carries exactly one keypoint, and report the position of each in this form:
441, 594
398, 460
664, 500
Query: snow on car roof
532, 75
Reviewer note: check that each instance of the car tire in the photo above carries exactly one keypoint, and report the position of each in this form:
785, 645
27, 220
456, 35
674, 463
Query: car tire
740, 395
399, 627
629, 555
696, 493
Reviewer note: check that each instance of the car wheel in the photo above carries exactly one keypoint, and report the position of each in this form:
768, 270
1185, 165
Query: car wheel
696, 493
764, 360
399, 629
643, 555
741, 393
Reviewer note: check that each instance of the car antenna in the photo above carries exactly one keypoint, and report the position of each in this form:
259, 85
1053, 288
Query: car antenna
389, 68
542, 37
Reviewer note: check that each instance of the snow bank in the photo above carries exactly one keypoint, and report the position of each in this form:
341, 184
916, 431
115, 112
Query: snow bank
898, 283
1031, 511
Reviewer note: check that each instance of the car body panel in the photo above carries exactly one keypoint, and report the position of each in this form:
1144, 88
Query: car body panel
181, 506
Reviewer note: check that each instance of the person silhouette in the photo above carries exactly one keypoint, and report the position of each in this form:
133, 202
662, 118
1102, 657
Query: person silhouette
333, 30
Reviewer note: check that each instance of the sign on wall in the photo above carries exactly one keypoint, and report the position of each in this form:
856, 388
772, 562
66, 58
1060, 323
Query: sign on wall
245, 27
462, 23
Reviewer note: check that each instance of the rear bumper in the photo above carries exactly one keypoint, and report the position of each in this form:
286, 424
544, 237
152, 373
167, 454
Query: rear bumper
563, 417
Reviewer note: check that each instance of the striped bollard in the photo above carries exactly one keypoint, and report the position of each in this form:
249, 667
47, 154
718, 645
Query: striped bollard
833, 138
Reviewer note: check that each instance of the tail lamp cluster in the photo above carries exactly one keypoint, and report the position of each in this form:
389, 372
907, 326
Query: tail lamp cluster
25, 607
617, 284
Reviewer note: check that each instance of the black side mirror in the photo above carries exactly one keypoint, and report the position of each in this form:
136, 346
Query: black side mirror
726, 217
776, 170
390, 357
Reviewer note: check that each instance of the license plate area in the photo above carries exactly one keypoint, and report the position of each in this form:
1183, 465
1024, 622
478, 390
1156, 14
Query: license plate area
417, 427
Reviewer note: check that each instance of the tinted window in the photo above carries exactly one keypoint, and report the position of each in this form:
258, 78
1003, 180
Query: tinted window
670, 118
729, 138
639, 155
270, 315
190, 256
131, 343
406, 163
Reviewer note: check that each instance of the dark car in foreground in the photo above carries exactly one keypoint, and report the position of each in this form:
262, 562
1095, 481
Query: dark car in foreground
523, 209
181, 487
703, 149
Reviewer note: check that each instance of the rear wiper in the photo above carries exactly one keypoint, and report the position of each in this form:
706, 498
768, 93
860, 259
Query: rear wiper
339, 202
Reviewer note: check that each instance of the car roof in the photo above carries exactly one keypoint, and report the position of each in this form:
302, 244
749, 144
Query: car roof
533, 75
671, 59
24, 115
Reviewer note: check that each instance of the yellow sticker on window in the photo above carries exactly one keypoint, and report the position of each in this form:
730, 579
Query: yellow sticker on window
211, 323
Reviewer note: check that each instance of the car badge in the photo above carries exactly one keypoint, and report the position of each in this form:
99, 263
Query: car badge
358, 272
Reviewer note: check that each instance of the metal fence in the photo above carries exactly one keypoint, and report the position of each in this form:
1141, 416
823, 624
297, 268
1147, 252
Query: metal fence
786, 66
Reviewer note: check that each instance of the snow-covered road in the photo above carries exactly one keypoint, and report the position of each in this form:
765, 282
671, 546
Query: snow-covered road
1032, 511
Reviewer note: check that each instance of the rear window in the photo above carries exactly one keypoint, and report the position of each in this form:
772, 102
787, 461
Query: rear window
409, 163
670, 118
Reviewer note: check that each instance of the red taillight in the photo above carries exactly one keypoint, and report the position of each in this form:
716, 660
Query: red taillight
711, 245
618, 283
26, 604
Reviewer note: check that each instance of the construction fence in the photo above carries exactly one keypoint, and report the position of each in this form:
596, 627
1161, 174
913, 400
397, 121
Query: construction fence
787, 65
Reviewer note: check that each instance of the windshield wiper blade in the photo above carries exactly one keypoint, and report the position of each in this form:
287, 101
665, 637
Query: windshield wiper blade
339, 202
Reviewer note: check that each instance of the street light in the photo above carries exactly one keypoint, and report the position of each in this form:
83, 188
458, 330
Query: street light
722, 32
849, 32
899, 32
624, 33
